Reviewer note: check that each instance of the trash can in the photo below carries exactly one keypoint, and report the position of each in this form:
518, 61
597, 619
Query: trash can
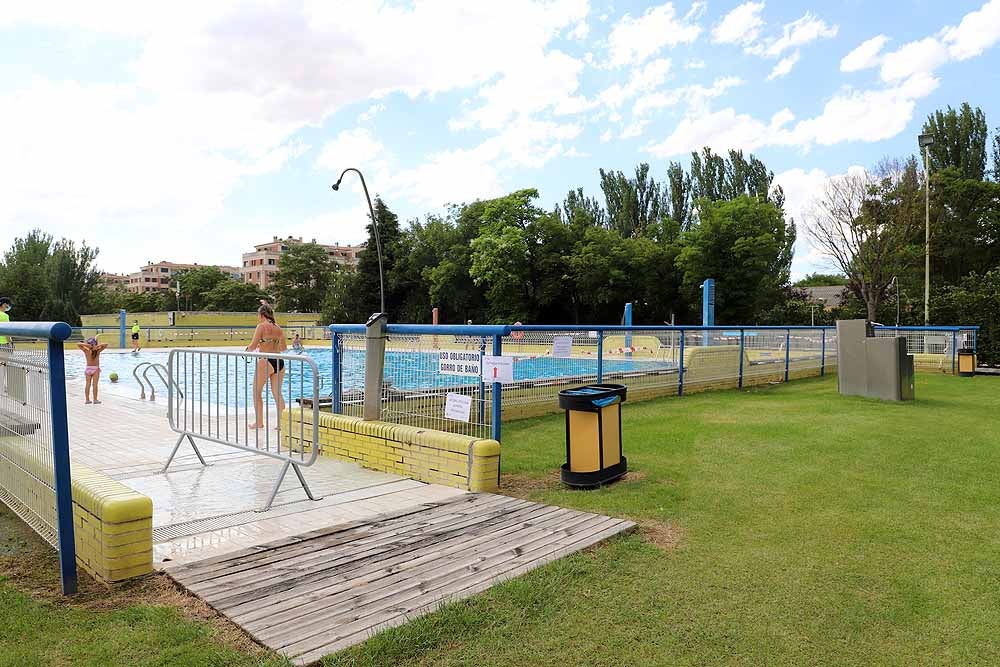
966, 362
593, 435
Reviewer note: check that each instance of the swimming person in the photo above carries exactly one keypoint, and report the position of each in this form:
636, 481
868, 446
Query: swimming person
268, 338
92, 351
135, 337
297, 344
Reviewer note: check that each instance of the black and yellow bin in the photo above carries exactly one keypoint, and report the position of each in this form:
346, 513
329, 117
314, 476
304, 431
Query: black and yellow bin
593, 435
966, 362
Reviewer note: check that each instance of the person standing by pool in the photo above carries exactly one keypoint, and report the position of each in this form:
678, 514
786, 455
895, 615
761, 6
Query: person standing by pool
268, 338
297, 344
5, 305
92, 352
135, 337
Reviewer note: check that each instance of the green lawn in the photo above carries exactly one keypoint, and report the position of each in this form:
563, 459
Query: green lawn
781, 526
799, 528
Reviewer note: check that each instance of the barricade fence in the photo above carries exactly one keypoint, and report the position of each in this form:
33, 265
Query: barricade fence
934, 347
191, 335
35, 480
264, 403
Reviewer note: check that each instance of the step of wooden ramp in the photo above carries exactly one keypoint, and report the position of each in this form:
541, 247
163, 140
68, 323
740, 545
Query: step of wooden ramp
317, 593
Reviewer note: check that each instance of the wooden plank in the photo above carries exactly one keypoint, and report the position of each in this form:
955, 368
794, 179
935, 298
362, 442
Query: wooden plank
432, 601
362, 611
355, 549
319, 588
358, 531
399, 569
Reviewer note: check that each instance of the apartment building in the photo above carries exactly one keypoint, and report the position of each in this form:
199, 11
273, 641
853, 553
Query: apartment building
157, 276
260, 265
114, 280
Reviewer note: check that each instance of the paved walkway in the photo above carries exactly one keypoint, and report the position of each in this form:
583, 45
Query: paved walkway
198, 511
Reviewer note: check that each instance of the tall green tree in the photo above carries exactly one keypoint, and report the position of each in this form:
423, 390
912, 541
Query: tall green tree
196, 283
582, 212
363, 298
714, 178
821, 280
679, 191
234, 296
634, 205
24, 274
305, 274
996, 155
746, 245
72, 278
960, 138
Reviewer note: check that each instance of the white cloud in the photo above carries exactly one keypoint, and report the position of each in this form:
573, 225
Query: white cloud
978, 31
633, 40
642, 79
740, 26
352, 148
721, 131
865, 55
784, 66
798, 33
581, 31
696, 97
371, 112
695, 63
606, 136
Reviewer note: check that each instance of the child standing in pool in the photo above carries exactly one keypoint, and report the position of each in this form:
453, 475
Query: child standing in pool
269, 338
92, 352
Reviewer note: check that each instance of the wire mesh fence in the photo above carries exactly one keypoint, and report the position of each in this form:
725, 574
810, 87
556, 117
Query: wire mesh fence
34, 438
192, 335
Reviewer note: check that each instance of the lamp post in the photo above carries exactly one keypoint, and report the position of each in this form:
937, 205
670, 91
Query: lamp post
926, 141
378, 240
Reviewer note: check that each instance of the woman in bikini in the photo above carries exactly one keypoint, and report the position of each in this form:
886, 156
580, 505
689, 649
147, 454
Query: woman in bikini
92, 351
268, 338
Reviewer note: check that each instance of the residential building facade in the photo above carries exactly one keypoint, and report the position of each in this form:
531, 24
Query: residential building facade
157, 276
260, 265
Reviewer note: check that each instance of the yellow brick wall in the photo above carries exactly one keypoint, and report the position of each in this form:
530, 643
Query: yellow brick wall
423, 454
112, 524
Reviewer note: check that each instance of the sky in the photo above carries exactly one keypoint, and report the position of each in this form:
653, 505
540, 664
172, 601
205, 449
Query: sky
190, 131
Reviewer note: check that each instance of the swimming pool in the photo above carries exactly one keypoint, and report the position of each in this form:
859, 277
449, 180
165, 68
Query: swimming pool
406, 371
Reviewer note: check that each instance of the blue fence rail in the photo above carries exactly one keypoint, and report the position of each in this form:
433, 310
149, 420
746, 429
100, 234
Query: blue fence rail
34, 434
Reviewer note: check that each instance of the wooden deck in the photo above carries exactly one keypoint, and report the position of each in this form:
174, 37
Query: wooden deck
323, 591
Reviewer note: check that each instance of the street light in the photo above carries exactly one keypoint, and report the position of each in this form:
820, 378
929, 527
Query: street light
926, 141
378, 240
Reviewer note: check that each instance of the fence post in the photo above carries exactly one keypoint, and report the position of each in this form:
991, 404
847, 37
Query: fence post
740, 385
600, 356
788, 340
122, 316
680, 370
335, 381
822, 353
496, 406
482, 385
954, 341
60, 459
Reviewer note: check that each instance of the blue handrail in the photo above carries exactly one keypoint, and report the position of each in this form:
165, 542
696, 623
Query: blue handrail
55, 333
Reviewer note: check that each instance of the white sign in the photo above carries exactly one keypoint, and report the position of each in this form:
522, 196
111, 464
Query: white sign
562, 347
455, 362
592, 334
498, 369
458, 407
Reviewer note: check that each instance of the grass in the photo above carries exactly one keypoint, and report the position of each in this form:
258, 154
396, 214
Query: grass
779, 526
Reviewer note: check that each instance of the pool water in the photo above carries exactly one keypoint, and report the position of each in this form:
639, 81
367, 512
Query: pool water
404, 370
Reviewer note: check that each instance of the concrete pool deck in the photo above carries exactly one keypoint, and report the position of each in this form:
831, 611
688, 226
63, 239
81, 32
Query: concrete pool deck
201, 512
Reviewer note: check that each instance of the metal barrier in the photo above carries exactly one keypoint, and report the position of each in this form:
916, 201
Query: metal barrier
35, 479
194, 334
214, 395
943, 342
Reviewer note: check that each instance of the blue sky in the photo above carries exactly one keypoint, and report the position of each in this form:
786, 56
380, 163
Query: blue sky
189, 132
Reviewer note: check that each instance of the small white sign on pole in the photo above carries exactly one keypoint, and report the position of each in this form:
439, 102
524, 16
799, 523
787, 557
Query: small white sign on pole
592, 334
458, 407
562, 347
498, 369
457, 362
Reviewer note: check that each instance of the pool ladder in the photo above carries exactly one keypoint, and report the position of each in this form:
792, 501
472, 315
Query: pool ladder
160, 370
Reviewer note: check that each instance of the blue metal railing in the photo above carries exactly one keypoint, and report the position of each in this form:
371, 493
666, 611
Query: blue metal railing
55, 333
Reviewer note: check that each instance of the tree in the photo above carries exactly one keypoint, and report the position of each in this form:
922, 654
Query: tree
195, 284
305, 274
233, 296
23, 274
634, 205
72, 278
716, 178
821, 280
863, 222
582, 212
959, 140
746, 245
965, 225
363, 297
996, 155
679, 196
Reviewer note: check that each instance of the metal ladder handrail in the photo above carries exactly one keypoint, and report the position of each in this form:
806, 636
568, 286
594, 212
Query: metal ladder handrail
142, 387
160, 370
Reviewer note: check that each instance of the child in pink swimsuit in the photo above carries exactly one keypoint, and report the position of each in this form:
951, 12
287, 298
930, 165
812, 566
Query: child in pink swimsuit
92, 351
